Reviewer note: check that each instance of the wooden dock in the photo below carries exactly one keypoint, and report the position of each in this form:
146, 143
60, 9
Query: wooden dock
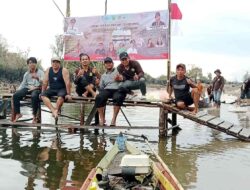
166, 108
213, 122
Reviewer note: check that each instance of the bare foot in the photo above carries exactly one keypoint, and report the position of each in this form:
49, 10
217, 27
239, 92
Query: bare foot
18, 116
85, 94
55, 113
194, 112
34, 120
94, 94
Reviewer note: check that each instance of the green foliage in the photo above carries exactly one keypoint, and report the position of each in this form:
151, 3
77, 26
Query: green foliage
12, 65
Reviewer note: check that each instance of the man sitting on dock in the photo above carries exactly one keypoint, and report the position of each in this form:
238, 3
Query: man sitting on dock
31, 84
58, 80
108, 88
132, 75
181, 84
86, 78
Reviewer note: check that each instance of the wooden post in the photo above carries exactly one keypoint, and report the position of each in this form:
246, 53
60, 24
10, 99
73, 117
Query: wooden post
82, 113
162, 123
39, 115
13, 115
174, 119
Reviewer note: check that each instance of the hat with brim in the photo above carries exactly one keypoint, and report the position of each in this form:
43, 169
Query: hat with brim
217, 71
181, 65
55, 59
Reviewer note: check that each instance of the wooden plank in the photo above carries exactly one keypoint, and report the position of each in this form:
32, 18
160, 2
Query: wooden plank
225, 125
91, 115
207, 117
216, 121
200, 114
245, 132
235, 129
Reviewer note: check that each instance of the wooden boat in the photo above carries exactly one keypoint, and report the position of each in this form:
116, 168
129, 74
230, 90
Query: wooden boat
124, 167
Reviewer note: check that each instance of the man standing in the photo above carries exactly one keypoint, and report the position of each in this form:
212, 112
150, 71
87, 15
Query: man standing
58, 80
217, 87
245, 89
108, 88
132, 75
181, 84
31, 84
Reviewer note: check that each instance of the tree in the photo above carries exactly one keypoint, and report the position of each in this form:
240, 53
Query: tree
195, 72
209, 76
57, 48
246, 76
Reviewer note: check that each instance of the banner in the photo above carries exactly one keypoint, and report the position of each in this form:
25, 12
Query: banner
141, 35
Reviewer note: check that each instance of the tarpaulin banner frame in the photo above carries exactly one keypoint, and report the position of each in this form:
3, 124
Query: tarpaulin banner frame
142, 35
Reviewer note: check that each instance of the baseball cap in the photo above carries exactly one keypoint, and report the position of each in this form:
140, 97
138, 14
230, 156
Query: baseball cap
108, 60
181, 65
123, 55
55, 59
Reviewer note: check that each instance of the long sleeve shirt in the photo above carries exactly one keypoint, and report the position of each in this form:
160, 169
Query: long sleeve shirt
29, 82
108, 80
134, 68
218, 83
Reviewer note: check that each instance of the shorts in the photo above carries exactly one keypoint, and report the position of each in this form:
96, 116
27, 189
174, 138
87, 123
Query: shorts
51, 92
188, 100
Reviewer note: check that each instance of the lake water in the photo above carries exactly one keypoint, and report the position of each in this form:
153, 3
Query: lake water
200, 158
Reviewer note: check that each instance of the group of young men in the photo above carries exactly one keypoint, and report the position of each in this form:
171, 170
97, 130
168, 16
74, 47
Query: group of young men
115, 83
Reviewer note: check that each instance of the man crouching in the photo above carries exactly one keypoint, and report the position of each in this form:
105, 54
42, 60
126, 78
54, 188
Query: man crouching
181, 84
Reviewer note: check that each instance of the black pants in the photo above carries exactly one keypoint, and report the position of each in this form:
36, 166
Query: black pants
117, 96
20, 94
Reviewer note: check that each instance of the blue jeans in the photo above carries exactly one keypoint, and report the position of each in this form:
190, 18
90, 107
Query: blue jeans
245, 94
217, 95
129, 85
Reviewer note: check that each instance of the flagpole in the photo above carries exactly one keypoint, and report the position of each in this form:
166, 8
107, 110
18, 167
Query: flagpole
169, 45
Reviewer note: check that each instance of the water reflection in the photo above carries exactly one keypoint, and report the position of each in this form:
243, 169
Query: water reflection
55, 165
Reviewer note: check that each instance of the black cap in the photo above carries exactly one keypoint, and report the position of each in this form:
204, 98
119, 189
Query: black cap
108, 60
181, 65
123, 55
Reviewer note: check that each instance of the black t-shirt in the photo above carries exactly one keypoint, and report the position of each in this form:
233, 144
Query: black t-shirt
181, 87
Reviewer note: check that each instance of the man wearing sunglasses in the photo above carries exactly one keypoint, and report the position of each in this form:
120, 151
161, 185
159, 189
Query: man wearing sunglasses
132, 75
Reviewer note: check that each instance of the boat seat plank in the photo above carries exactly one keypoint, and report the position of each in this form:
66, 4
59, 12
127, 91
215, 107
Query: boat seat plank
225, 125
245, 132
216, 121
207, 118
235, 129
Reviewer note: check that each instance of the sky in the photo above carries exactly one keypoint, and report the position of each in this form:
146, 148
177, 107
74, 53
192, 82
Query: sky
214, 34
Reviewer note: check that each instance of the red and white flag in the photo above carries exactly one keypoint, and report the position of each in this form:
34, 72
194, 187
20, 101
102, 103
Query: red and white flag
176, 17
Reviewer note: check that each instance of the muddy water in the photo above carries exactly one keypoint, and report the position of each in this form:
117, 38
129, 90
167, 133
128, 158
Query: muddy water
199, 157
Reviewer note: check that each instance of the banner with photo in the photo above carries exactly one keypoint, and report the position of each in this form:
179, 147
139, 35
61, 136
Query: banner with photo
141, 35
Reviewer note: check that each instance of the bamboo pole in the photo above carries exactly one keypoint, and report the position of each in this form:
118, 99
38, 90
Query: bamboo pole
169, 45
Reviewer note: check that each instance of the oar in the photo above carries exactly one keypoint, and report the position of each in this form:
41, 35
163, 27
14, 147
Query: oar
162, 162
